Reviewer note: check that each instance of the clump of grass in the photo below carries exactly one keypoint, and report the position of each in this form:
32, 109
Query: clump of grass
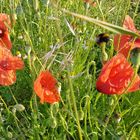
83, 113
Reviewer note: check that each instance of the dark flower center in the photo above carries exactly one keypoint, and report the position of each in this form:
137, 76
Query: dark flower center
1, 33
4, 65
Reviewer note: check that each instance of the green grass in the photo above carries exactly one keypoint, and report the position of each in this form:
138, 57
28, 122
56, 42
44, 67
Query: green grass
83, 112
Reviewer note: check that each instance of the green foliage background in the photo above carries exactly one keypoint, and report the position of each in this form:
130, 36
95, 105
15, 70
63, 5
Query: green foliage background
41, 25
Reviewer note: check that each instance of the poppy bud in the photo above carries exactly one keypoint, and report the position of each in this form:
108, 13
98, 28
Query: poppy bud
53, 122
81, 115
135, 56
104, 56
9, 135
19, 107
28, 49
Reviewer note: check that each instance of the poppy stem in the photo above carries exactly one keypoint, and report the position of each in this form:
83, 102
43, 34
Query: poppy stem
75, 107
109, 116
58, 25
132, 45
104, 54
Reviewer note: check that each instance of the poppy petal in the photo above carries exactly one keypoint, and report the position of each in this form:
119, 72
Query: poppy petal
4, 52
115, 76
7, 77
38, 89
45, 88
129, 23
5, 41
47, 80
136, 85
14, 63
8, 61
51, 96
137, 43
120, 41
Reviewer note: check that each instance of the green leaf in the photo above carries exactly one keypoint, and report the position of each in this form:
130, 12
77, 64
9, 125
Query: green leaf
108, 26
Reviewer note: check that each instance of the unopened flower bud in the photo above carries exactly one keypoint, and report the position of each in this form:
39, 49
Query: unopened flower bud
53, 122
10, 135
28, 49
19, 107
81, 115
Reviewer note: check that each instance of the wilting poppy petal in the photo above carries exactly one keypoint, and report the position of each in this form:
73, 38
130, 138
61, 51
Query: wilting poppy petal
45, 88
129, 24
116, 76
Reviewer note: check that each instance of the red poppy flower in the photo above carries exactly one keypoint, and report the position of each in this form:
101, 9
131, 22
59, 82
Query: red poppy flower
4, 33
8, 66
45, 88
124, 43
116, 76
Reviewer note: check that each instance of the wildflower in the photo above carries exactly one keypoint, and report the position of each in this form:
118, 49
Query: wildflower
45, 88
8, 66
116, 75
125, 43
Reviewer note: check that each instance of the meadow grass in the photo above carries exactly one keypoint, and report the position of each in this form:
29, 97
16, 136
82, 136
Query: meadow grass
64, 44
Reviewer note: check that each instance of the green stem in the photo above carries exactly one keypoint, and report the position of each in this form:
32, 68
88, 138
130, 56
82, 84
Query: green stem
104, 54
136, 9
58, 25
131, 47
113, 108
75, 107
